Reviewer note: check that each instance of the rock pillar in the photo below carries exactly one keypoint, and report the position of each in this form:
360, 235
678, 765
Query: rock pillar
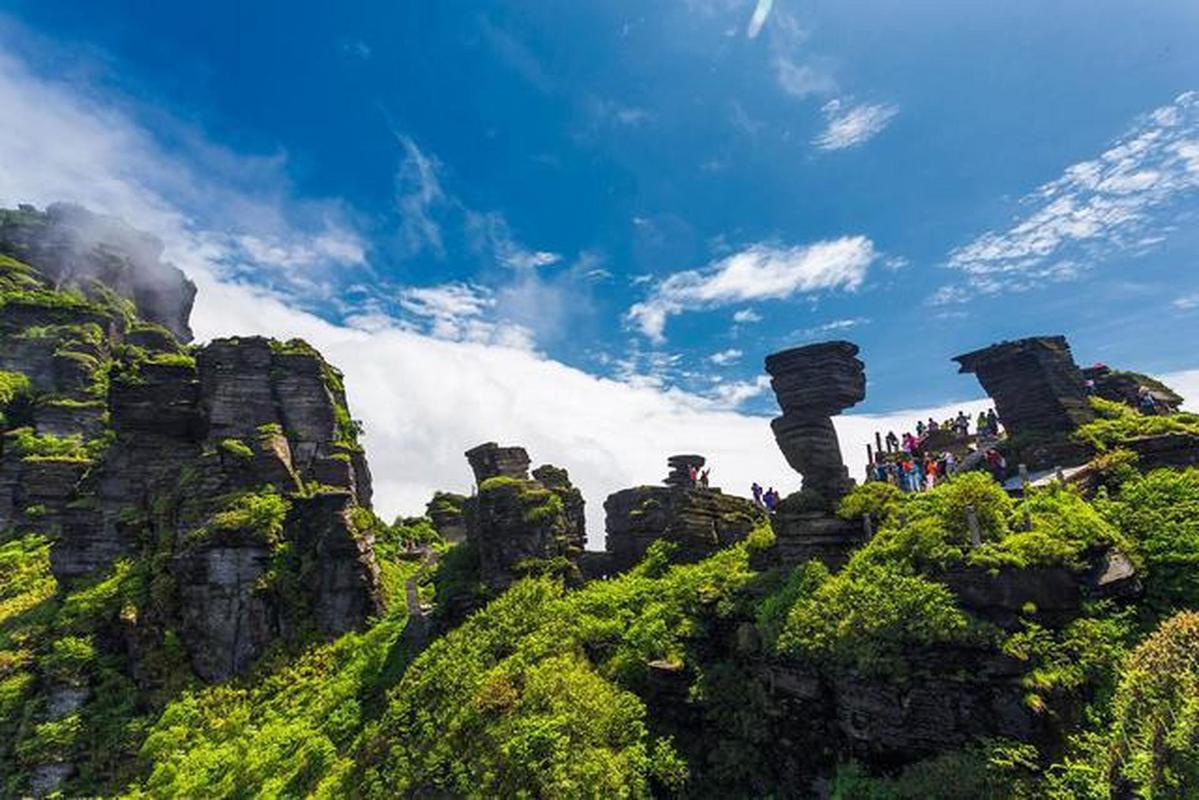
813, 383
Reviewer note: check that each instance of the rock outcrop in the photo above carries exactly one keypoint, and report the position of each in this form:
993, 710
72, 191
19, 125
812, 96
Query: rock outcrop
489, 460
699, 520
447, 512
1039, 393
520, 525
233, 469
75, 248
1125, 387
813, 383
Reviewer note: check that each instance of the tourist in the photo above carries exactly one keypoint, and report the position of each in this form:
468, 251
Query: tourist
981, 423
919, 427
756, 490
930, 472
892, 442
933, 425
950, 464
1146, 402
703, 477
693, 474
962, 424
993, 422
997, 464
772, 499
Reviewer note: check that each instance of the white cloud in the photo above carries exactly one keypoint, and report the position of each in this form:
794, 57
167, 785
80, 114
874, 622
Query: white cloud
337, 246
832, 326
490, 232
1117, 202
746, 316
419, 196
452, 300
802, 80
849, 125
758, 18
758, 272
731, 395
1187, 302
725, 357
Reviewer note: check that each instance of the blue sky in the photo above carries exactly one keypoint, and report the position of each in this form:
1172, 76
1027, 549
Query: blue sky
537, 172
580, 226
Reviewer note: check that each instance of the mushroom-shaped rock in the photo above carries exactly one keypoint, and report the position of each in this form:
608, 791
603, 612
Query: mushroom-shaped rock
812, 383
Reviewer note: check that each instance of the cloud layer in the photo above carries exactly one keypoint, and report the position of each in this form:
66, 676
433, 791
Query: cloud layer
848, 125
759, 272
1117, 202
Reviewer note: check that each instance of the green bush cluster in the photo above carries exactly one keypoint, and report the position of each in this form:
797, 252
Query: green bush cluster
33, 446
12, 386
1159, 514
870, 617
1116, 424
1154, 749
236, 448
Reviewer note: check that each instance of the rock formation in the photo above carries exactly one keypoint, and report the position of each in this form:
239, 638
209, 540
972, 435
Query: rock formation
75, 248
1124, 387
489, 460
447, 512
231, 473
699, 520
812, 384
680, 470
1039, 393
520, 525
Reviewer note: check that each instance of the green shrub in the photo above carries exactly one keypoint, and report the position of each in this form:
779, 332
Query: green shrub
12, 385
259, 515
868, 617
1116, 424
171, 360
1159, 513
996, 770
236, 448
34, 446
1155, 738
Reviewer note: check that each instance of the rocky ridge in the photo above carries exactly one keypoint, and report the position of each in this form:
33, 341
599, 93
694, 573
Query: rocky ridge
224, 481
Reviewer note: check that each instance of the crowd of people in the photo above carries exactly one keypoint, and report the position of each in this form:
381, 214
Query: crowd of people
913, 467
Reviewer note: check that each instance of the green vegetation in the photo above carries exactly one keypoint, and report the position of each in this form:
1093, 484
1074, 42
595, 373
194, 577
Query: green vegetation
47, 447
236, 448
258, 515
994, 770
1116, 423
869, 617
286, 729
1159, 512
49, 639
13, 386
171, 360
1155, 738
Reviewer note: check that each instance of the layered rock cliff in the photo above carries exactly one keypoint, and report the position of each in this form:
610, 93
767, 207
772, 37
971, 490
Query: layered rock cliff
233, 468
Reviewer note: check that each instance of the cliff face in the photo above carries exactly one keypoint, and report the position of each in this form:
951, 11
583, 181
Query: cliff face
229, 473
97, 255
